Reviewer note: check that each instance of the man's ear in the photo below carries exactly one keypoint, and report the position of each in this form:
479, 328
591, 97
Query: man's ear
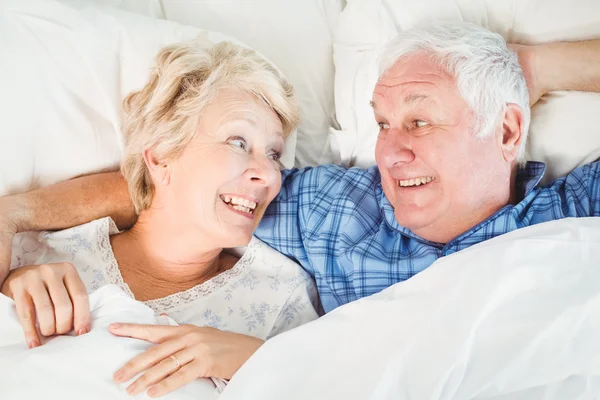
159, 171
512, 132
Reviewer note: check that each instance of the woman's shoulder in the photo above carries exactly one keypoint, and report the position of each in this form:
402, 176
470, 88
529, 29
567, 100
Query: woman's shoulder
268, 264
59, 246
262, 254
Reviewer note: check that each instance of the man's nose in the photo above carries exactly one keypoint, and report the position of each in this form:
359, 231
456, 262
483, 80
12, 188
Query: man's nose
396, 148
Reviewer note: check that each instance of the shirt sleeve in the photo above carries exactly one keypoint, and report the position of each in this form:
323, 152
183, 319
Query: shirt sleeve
580, 191
301, 307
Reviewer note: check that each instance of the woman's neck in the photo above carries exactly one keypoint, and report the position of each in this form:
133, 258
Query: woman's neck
157, 259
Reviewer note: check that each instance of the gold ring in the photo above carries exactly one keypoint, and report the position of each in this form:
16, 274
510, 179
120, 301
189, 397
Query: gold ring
176, 361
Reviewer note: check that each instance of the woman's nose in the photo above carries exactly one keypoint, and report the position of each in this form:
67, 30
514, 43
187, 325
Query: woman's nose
262, 170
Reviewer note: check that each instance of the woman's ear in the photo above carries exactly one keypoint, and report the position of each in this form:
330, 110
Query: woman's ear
159, 171
512, 132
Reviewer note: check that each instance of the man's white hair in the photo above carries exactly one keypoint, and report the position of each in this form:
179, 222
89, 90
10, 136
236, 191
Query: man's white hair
488, 74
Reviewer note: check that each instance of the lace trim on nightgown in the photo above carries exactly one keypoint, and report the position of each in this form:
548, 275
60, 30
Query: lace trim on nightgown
176, 300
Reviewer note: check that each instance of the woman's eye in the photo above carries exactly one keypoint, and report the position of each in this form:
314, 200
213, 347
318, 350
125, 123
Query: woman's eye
275, 156
420, 123
383, 125
238, 142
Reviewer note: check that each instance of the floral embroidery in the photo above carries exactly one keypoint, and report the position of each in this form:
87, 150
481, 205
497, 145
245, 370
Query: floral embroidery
77, 243
213, 320
293, 309
257, 314
275, 278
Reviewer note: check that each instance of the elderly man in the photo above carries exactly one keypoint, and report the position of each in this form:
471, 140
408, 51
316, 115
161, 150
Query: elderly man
453, 111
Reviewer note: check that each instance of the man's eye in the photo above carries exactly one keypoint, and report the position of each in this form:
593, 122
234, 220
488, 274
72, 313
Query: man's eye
383, 126
420, 123
238, 142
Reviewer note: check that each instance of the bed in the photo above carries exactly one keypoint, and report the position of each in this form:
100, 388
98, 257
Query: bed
516, 317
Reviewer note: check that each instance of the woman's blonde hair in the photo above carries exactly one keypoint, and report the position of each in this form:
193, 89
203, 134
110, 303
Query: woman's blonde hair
164, 114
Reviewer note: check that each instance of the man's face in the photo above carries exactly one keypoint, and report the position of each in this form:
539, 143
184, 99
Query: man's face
440, 178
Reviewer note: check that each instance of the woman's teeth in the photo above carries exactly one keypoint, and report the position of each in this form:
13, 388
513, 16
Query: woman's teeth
240, 204
243, 209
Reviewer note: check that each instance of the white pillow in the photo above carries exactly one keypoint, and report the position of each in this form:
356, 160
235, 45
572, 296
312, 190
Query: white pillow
295, 35
565, 129
65, 69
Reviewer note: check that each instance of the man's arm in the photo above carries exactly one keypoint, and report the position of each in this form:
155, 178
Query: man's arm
561, 66
61, 206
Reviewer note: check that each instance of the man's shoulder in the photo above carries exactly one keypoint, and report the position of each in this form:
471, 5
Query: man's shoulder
331, 176
582, 175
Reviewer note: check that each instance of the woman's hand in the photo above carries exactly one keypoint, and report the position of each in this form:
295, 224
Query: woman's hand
52, 293
183, 354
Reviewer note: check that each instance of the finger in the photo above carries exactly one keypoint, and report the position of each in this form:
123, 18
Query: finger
148, 359
43, 307
63, 308
82, 318
151, 333
160, 371
26, 314
187, 374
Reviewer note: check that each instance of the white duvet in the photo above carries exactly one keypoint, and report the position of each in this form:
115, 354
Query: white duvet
76, 368
516, 317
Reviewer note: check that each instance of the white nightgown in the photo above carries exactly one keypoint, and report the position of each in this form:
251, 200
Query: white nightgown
264, 294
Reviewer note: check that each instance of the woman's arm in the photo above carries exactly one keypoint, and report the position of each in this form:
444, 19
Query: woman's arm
61, 206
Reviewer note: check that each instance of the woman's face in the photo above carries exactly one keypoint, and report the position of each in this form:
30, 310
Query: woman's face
228, 174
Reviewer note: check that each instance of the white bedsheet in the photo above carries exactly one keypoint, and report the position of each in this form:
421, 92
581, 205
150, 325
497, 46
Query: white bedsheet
75, 368
517, 317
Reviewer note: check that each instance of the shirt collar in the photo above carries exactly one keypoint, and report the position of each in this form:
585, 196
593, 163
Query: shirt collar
530, 176
527, 179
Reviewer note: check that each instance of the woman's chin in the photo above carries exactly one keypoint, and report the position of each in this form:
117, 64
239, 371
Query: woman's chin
241, 237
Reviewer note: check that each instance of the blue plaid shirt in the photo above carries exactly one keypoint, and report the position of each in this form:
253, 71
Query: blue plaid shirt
340, 227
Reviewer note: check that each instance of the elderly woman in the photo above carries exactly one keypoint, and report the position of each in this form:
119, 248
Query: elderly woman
203, 142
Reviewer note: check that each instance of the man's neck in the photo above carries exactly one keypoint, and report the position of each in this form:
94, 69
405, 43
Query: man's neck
446, 230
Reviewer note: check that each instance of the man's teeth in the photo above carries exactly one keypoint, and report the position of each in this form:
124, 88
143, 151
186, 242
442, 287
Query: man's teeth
415, 181
240, 204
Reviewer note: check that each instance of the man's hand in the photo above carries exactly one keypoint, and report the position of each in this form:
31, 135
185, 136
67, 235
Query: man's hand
61, 206
527, 60
54, 295
9, 227
560, 66
183, 353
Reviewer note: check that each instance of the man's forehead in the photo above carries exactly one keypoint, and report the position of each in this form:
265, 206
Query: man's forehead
413, 81
415, 65
409, 95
